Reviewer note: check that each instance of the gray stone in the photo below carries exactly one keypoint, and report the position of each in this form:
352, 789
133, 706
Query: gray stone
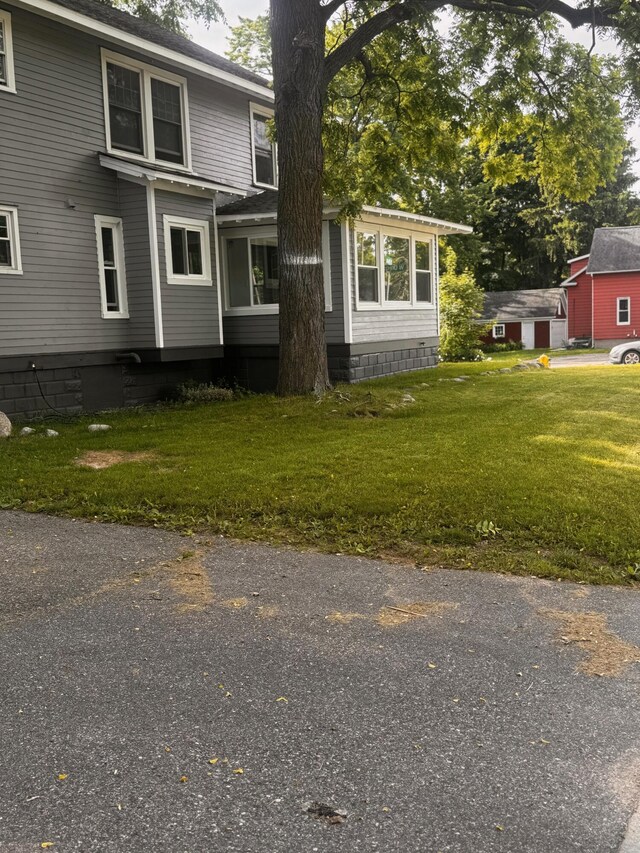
51, 433
98, 427
461, 379
5, 426
27, 431
407, 398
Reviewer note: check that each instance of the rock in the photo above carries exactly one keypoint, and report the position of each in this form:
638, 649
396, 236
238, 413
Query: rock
5, 426
27, 431
461, 379
407, 398
98, 427
51, 433
505, 370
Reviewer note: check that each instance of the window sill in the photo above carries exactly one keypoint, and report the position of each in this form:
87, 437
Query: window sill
395, 306
114, 316
256, 310
179, 168
11, 90
4, 271
191, 282
265, 186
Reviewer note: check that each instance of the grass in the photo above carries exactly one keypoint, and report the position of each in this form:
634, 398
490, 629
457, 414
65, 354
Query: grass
530, 472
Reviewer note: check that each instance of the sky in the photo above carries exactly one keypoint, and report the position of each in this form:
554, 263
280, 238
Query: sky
215, 39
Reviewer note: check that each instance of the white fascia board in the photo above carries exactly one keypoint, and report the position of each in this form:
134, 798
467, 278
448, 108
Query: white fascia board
246, 218
442, 225
579, 258
78, 21
611, 272
133, 170
572, 278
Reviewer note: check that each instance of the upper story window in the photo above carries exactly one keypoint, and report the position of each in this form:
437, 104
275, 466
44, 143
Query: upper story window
10, 261
188, 250
113, 285
7, 78
146, 112
624, 310
393, 269
265, 165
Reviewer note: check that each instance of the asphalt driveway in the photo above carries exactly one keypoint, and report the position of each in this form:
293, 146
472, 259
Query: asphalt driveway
584, 359
162, 693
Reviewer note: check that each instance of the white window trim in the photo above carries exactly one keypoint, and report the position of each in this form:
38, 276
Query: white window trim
494, 331
382, 304
118, 244
268, 113
270, 231
14, 241
10, 85
620, 322
147, 72
202, 225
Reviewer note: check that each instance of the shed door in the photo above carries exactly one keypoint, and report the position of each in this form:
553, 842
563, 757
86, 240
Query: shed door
528, 335
543, 334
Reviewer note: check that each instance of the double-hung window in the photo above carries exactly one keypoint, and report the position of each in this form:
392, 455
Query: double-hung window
145, 111
7, 76
188, 251
265, 165
393, 270
113, 285
10, 261
624, 310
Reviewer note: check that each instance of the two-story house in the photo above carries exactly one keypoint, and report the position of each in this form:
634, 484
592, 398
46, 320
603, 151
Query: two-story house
137, 224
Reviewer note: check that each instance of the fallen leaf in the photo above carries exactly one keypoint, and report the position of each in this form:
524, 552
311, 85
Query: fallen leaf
238, 771
499, 828
213, 760
184, 778
432, 666
63, 776
542, 740
282, 699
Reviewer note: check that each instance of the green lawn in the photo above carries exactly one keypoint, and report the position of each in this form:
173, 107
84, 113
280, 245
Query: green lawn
548, 460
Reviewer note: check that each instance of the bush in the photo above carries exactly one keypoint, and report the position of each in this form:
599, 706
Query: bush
505, 346
461, 303
203, 392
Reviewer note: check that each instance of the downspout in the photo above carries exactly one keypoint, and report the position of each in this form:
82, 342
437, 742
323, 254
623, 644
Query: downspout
593, 318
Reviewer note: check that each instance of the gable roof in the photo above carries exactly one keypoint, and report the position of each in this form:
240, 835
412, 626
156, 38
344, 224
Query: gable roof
521, 304
136, 32
615, 250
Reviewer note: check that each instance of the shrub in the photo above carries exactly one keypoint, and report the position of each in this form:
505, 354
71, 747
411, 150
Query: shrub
504, 346
203, 392
461, 303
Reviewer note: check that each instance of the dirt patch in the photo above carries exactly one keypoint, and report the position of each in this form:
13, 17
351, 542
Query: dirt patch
344, 618
235, 603
188, 579
393, 615
267, 611
606, 654
100, 459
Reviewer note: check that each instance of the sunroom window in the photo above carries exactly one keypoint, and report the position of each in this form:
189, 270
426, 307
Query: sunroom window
424, 292
367, 251
397, 275
252, 266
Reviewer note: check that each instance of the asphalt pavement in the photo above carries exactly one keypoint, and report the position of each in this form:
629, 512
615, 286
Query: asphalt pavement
169, 693
584, 359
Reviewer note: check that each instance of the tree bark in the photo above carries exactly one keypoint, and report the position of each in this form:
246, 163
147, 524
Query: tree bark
298, 37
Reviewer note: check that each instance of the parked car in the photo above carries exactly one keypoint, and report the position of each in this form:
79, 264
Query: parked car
627, 353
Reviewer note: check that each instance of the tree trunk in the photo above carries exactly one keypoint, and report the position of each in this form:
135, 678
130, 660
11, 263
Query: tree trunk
298, 33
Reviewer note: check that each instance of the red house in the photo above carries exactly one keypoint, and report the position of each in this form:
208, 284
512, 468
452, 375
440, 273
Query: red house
603, 288
534, 318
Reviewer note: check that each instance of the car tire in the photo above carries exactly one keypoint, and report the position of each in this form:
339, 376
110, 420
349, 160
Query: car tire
632, 356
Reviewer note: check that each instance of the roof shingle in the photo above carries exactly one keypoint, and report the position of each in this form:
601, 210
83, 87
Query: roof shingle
615, 250
521, 304
106, 14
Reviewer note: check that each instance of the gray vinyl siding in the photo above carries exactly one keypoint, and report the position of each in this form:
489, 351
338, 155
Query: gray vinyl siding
384, 324
189, 312
262, 329
50, 133
135, 225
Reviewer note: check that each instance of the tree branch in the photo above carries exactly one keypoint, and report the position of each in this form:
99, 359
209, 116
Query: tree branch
331, 7
406, 10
